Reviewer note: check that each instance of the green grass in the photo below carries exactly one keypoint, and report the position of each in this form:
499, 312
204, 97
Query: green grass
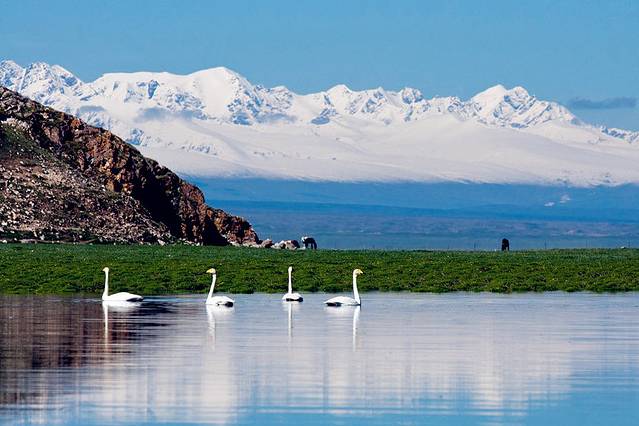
58, 268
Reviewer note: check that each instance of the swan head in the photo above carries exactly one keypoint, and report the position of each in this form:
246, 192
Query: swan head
290, 269
357, 272
105, 270
211, 271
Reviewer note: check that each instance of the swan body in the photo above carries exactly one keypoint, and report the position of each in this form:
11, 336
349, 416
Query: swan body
344, 300
119, 305
290, 296
117, 297
123, 297
220, 301
217, 300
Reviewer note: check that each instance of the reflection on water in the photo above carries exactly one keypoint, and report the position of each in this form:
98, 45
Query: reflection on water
412, 359
213, 312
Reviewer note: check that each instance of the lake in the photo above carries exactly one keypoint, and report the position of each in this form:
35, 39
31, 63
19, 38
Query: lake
458, 216
552, 358
378, 227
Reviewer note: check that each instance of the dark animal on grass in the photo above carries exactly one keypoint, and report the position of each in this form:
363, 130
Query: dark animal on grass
309, 242
505, 245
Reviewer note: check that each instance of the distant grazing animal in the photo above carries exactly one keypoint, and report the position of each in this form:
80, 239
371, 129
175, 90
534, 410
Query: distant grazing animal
290, 296
347, 301
309, 241
117, 297
505, 245
217, 300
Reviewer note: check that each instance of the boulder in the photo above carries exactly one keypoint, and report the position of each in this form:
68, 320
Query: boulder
267, 243
286, 245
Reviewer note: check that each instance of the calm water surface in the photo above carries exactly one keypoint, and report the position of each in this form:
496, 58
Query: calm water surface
400, 359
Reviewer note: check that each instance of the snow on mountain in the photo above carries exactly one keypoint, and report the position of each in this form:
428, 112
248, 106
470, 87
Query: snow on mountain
10, 75
49, 85
216, 123
515, 108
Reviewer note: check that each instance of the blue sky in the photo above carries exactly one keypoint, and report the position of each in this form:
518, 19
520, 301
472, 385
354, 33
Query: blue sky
586, 51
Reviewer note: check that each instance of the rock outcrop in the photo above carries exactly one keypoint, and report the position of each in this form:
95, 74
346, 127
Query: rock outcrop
286, 245
64, 180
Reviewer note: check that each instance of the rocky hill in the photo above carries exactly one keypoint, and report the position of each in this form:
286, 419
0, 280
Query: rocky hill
64, 180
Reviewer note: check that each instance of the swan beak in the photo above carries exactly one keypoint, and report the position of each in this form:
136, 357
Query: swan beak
211, 271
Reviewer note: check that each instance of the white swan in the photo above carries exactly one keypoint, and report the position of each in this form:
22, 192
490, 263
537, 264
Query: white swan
117, 297
290, 296
217, 300
347, 301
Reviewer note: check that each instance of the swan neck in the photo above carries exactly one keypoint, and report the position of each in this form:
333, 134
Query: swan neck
355, 292
213, 279
105, 293
290, 282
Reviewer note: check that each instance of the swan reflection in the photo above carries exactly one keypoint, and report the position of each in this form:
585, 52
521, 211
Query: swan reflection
355, 325
343, 313
121, 306
213, 313
290, 309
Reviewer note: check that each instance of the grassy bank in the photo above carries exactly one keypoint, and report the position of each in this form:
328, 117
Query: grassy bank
41, 269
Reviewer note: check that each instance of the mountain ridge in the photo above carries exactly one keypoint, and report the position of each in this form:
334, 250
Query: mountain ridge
215, 122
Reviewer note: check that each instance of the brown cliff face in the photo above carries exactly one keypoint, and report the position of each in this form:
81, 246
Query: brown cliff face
103, 177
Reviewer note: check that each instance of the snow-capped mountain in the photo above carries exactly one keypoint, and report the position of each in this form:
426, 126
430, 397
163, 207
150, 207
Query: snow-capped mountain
216, 123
